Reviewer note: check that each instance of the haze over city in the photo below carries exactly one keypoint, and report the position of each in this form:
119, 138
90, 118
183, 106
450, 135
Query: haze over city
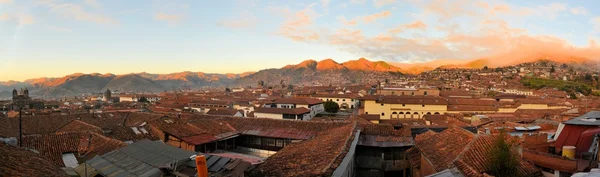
53, 38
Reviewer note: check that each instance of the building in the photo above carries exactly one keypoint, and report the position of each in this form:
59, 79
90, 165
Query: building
107, 96
282, 113
458, 148
401, 107
225, 112
409, 91
21, 98
154, 158
345, 101
314, 106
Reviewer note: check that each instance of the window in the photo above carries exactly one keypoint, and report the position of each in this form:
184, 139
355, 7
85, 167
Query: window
343, 99
382, 114
403, 105
352, 100
425, 93
338, 99
412, 93
381, 104
422, 105
366, 112
393, 93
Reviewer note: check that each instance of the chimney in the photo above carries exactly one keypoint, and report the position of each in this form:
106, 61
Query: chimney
201, 167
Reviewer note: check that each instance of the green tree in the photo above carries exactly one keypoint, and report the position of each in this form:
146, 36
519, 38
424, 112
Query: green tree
227, 89
485, 68
503, 160
143, 100
552, 70
469, 77
331, 107
290, 87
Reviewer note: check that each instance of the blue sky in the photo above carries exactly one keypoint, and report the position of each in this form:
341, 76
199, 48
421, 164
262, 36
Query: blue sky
52, 38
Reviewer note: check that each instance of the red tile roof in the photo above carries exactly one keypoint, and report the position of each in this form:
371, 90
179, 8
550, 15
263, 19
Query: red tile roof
456, 147
295, 111
319, 156
222, 112
304, 101
18, 162
52, 146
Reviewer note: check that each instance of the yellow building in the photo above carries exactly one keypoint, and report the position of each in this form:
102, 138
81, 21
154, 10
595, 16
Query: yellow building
401, 107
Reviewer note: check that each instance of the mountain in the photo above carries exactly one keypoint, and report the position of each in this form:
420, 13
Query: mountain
496, 61
325, 72
133, 83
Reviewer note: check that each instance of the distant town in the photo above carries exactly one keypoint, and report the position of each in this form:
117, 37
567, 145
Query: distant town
537, 118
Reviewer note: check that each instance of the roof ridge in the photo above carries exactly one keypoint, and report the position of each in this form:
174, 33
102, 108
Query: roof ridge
354, 125
466, 148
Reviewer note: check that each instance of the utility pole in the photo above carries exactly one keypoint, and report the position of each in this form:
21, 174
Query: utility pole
20, 126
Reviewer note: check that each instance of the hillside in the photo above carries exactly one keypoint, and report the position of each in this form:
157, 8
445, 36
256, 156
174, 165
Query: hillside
133, 83
325, 72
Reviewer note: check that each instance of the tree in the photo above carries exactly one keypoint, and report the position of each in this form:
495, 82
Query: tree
588, 77
503, 160
485, 68
469, 77
227, 90
290, 87
143, 100
331, 107
552, 70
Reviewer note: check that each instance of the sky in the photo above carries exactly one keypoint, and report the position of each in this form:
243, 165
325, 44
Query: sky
53, 38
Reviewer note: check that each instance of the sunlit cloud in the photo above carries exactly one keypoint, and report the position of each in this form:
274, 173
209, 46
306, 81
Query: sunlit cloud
6, 1
244, 20
170, 18
77, 12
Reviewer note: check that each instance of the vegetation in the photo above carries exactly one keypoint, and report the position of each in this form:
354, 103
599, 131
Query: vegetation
331, 107
143, 100
567, 86
503, 161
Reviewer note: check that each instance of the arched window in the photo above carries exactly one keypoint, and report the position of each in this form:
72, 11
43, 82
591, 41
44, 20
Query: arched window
412, 93
428, 113
436, 113
425, 93
394, 113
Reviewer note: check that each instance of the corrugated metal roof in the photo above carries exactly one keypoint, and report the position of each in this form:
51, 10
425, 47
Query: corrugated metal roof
591, 118
217, 166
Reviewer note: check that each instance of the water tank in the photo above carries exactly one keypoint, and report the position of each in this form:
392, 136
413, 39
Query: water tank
569, 152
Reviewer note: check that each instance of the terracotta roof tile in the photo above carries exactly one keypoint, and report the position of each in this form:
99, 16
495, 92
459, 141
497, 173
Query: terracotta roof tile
52, 146
18, 162
295, 111
326, 152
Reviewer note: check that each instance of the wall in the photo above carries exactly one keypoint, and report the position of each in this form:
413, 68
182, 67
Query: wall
432, 92
348, 101
268, 115
426, 167
372, 107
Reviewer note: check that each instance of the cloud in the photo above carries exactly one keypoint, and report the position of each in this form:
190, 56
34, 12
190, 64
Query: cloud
4, 17
365, 19
20, 19
26, 19
343, 5
325, 5
380, 3
579, 11
93, 3
244, 20
77, 12
298, 25
374, 17
6, 1
170, 18
414, 25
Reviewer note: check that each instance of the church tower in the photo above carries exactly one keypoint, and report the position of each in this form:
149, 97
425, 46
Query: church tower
15, 93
